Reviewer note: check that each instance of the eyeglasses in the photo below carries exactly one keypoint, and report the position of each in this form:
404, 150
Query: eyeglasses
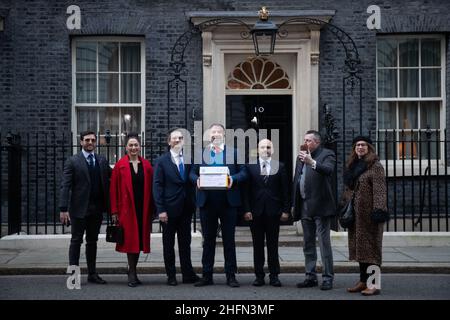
87, 140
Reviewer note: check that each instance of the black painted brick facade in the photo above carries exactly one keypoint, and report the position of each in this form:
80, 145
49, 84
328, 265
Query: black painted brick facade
35, 55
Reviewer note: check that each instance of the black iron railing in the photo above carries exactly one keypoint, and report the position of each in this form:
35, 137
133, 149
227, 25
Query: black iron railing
415, 162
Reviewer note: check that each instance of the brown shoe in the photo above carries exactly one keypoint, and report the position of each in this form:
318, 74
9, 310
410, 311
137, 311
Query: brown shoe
360, 286
370, 292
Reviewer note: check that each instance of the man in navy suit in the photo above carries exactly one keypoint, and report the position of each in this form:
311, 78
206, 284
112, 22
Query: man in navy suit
174, 199
266, 203
219, 204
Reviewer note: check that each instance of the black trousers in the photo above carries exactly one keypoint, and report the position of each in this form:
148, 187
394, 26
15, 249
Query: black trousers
181, 226
91, 224
265, 228
217, 208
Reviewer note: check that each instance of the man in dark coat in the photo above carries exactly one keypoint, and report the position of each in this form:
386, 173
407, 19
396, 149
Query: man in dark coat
174, 199
84, 197
219, 204
266, 202
314, 204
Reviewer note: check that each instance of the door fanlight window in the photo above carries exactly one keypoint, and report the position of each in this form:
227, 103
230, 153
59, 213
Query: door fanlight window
258, 73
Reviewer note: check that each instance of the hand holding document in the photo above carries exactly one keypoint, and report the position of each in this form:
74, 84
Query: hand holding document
214, 178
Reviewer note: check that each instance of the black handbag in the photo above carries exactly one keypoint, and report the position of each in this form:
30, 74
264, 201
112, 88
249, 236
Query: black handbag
114, 233
380, 216
347, 215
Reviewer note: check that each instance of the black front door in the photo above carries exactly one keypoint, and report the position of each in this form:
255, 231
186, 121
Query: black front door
267, 112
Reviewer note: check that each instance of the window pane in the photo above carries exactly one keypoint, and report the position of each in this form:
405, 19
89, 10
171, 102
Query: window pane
109, 119
387, 53
407, 145
387, 115
86, 119
108, 88
86, 88
131, 56
431, 82
431, 52
409, 53
429, 114
387, 83
86, 56
131, 88
407, 113
131, 120
409, 83
108, 59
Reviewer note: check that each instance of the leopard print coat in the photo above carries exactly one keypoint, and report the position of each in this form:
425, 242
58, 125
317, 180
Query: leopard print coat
365, 237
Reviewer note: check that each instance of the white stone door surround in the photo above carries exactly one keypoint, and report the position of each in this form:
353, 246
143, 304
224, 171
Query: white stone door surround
222, 42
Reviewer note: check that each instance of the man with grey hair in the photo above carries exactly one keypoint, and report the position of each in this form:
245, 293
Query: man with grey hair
314, 204
219, 205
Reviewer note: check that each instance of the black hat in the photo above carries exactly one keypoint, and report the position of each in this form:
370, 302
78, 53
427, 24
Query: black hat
362, 138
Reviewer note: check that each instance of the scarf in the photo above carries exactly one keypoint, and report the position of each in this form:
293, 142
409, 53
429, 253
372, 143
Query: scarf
352, 174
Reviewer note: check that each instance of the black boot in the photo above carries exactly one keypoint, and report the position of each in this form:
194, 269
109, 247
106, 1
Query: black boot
133, 258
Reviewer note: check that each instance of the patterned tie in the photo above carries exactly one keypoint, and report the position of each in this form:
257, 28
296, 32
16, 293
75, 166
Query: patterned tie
91, 160
181, 167
264, 171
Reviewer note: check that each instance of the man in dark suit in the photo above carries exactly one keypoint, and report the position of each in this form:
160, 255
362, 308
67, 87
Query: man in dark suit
266, 202
315, 205
219, 204
84, 196
174, 199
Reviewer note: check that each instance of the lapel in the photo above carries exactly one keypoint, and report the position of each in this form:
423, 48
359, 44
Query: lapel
125, 172
97, 161
274, 167
84, 166
147, 183
260, 176
174, 166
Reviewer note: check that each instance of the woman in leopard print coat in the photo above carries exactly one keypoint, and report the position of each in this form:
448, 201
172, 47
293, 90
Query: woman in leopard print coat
365, 177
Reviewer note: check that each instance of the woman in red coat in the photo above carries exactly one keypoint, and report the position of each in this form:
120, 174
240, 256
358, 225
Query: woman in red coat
132, 204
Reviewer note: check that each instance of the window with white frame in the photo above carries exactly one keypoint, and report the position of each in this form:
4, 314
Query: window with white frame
108, 86
410, 91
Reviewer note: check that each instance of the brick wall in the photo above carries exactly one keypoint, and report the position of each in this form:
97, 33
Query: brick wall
35, 56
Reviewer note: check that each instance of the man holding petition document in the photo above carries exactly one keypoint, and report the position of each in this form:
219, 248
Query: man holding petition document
219, 204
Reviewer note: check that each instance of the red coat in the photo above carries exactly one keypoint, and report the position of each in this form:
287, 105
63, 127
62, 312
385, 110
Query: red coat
122, 203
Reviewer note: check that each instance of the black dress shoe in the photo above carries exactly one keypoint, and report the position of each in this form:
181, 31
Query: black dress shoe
193, 279
308, 283
172, 281
232, 282
275, 282
95, 278
132, 284
259, 282
326, 285
204, 282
